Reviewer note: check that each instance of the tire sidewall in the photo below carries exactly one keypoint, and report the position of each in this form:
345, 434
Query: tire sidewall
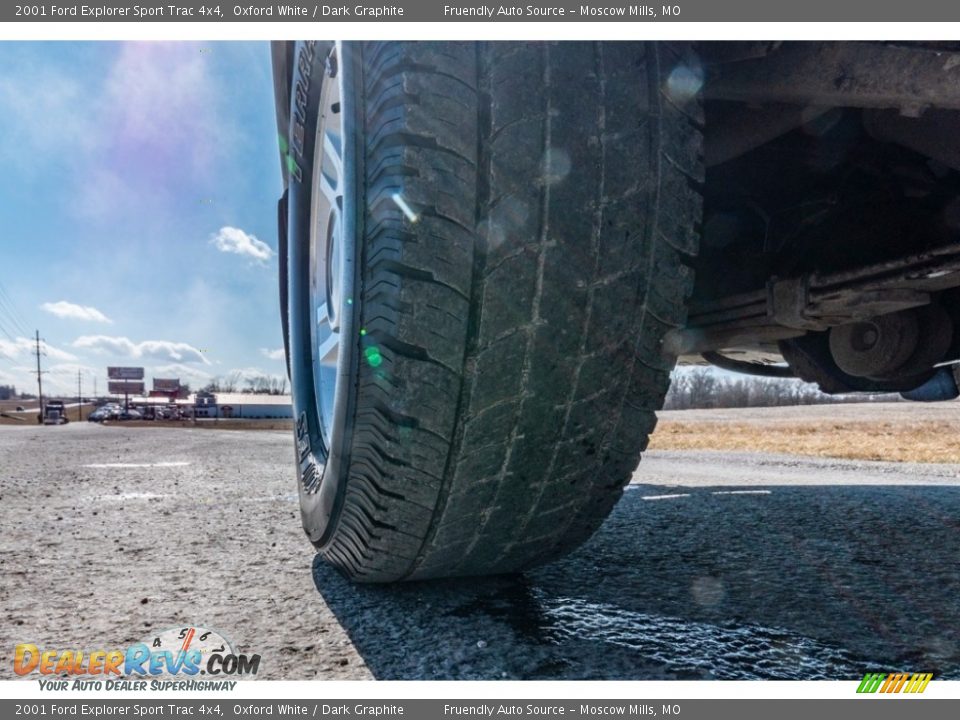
323, 467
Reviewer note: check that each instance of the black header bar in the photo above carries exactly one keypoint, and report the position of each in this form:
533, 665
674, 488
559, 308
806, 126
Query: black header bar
561, 11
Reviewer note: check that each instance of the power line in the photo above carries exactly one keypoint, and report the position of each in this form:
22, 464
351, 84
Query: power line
38, 352
13, 312
12, 320
5, 296
16, 346
4, 331
6, 306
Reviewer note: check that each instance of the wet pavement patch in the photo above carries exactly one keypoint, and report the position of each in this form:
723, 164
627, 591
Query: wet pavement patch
778, 583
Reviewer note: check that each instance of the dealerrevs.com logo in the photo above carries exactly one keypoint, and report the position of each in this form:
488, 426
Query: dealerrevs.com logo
170, 660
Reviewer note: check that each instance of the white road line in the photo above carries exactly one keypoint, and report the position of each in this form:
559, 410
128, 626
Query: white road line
741, 492
122, 497
665, 497
138, 465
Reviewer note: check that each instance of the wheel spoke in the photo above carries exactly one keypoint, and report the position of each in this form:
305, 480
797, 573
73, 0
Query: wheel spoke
333, 151
329, 349
331, 170
328, 189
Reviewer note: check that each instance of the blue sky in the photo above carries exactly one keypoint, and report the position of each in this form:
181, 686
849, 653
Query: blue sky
138, 190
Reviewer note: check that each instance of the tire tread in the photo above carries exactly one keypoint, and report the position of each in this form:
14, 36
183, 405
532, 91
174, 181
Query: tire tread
519, 317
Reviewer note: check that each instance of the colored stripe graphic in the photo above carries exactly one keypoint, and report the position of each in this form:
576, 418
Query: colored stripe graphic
920, 683
894, 682
870, 682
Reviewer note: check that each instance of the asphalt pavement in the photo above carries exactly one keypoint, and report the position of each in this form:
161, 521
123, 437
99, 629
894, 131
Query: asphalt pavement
713, 565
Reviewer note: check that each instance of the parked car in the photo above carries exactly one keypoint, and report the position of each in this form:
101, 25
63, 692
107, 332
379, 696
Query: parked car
113, 411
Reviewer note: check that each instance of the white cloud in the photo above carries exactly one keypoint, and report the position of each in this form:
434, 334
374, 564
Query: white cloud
277, 354
70, 370
106, 344
175, 369
24, 347
165, 350
187, 373
55, 353
160, 350
14, 349
234, 240
64, 309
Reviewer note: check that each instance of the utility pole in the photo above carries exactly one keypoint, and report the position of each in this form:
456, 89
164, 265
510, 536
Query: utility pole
79, 398
39, 381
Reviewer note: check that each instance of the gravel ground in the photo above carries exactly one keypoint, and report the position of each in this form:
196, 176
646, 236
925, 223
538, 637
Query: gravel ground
100, 557
714, 565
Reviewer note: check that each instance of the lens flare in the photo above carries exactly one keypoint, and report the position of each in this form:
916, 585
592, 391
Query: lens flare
373, 356
407, 210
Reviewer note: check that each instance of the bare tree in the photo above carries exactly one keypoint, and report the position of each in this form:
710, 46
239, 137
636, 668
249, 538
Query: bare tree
702, 388
705, 388
231, 382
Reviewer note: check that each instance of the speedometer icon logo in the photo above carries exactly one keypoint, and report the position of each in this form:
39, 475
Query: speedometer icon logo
195, 650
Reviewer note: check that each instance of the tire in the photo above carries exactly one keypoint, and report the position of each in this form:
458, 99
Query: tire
518, 221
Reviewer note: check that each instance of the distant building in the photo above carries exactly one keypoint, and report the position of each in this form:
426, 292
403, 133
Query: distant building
248, 406
168, 387
204, 399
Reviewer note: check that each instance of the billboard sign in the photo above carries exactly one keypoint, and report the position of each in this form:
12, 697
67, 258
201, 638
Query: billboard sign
167, 385
125, 373
125, 388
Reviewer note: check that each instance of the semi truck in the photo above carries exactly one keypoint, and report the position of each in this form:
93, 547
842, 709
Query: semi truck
55, 413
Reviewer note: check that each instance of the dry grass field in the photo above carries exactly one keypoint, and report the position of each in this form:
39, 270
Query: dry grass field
898, 432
